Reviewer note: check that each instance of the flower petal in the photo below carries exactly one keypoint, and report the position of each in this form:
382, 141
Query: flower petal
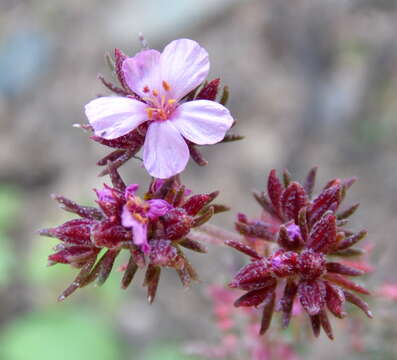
165, 152
184, 65
127, 220
158, 207
113, 116
143, 70
202, 122
139, 229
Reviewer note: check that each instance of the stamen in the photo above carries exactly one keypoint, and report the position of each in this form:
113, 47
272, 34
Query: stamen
140, 218
159, 107
150, 112
152, 101
166, 86
146, 89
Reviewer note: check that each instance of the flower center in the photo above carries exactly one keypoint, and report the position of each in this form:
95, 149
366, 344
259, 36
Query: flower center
160, 106
138, 208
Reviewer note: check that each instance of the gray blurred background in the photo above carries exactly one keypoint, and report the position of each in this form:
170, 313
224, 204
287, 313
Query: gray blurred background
312, 83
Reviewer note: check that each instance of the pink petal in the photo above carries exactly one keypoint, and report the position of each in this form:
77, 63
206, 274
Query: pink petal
127, 220
165, 152
139, 230
143, 70
158, 207
131, 190
203, 122
113, 116
184, 65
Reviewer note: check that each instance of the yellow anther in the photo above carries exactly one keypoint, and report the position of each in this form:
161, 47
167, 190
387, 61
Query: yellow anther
166, 86
140, 218
171, 101
150, 113
155, 92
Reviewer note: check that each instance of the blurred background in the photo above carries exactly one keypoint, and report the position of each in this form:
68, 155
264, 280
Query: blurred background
312, 83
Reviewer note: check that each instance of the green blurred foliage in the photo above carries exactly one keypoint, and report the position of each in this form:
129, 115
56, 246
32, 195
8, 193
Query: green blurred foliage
61, 335
10, 204
7, 259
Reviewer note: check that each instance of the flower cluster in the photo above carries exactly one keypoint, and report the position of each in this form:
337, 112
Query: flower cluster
308, 236
153, 229
164, 105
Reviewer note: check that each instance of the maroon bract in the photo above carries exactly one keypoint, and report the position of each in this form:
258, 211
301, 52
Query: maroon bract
308, 232
153, 229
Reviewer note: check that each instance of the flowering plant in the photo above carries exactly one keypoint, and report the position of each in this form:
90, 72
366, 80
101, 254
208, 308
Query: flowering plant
164, 105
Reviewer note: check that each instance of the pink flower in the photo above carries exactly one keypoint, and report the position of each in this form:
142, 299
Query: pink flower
137, 213
161, 81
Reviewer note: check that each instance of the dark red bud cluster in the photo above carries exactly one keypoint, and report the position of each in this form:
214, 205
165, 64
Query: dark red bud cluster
93, 241
304, 233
